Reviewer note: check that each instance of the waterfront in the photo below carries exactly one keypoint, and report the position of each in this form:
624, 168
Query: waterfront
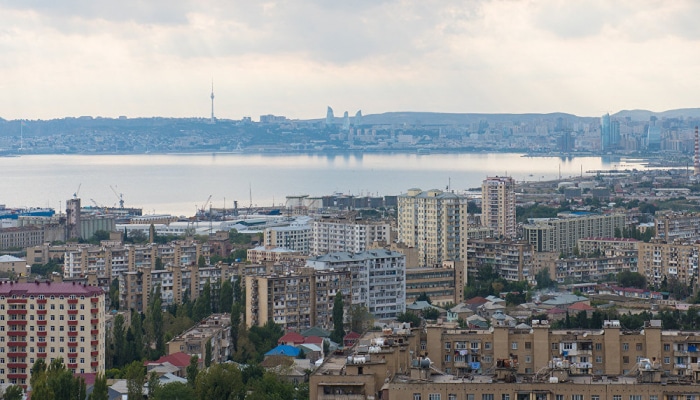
177, 184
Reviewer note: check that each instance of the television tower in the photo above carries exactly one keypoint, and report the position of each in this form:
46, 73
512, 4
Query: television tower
696, 163
212, 101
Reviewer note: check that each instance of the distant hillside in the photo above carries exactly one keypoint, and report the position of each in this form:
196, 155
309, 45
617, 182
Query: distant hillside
434, 118
644, 115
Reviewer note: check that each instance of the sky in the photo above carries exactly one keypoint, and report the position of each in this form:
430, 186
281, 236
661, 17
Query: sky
294, 58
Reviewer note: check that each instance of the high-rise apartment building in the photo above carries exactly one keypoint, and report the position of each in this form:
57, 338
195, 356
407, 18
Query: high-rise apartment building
50, 320
378, 278
498, 205
433, 222
561, 234
331, 235
659, 260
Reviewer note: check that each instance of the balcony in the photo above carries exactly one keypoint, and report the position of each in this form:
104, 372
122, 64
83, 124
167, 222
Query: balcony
72, 322
16, 312
94, 332
342, 397
73, 333
42, 312
94, 321
72, 312
94, 311
94, 363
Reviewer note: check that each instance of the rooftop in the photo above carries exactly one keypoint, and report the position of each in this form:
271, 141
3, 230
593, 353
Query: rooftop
48, 289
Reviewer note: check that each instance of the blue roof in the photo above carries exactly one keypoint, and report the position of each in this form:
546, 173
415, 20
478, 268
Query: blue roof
284, 350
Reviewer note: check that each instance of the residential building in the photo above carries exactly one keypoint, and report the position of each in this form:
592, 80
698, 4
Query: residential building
50, 320
672, 225
498, 205
444, 285
512, 260
296, 300
341, 234
215, 330
13, 265
562, 233
610, 246
378, 278
659, 261
593, 269
433, 222
296, 237
262, 254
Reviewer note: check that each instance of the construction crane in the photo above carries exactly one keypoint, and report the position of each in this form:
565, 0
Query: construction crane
75, 195
203, 211
120, 196
96, 204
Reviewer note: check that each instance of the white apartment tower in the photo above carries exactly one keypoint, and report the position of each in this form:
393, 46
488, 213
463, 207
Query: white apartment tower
331, 235
434, 222
498, 205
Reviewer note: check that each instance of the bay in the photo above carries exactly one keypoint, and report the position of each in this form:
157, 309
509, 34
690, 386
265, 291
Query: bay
179, 183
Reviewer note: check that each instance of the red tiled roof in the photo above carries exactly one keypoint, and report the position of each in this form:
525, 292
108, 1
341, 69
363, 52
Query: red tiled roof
476, 300
48, 289
178, 359
352, 336
291, 337
555, 311
581, 306
313, 339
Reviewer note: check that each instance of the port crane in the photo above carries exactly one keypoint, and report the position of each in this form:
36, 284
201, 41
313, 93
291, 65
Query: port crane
75, 195
203, 210
120, 196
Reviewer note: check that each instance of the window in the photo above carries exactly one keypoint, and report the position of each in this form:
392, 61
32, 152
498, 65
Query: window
422, 345
667, 360
599, 346
559, 397
625, 360
653, 397
555, 346
635, 397
514, 345
434, 396
448, 345
595, 397
528, 359
576, 397
598, 359
638, 346
505, 397
617, 397
470, 396
487, 346
416, 396
528, 345
447, 358
625, 346
667, 347
487, 396
567, 346
451, 396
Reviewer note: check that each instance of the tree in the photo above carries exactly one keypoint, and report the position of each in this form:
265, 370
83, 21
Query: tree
154, 324
13, 392
55, 381
221, 381
153, 385
207, 353
135, 375
408, 316
114, 294
544, 281
134, 338
338, 315
226, 296
235, 324
177, 391
631, 279
192, 371
202, 306
201, 261
430, 313
424, 297
119, 341
100, 390
360, 318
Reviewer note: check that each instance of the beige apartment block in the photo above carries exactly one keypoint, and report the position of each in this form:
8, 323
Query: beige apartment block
296, 301
498, 205
216, 329
512, 260
347, 234
433, 222
444, 285
673, 225
657, 260
50, 320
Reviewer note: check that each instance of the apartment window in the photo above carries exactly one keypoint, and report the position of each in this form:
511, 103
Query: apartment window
625, 360
667, 360
567, 346
595, 397
451, 396
487, 396
617, 397
416, 396
638, 346
559, 397
599, 346
505, 397
448, 345
576, 397
653, 397
528, 345
422, 345
625, 346
667, 347
598, 359
555, 346
638, 397
447, 358
487, 346
514, 345
434, 396
470, 396
528, 359
53, 306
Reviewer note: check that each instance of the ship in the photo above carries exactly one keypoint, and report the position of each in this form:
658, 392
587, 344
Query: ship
15, 213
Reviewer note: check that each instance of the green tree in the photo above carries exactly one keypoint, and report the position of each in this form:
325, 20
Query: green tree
544, 281
159, 264
409, 316
430, 313
360, 318
201, 261
13, 392
192, 371
207, 354
176, 391
134, 337
114, 294
154, 324
226, 296
135, 374
235, 324
424, 297
55, 382
270, 387
153, 385
631, 279
118, 341
220, 381
338, 315
100, 390
202, 306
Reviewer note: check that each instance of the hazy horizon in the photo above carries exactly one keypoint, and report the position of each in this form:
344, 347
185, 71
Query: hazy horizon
158, 58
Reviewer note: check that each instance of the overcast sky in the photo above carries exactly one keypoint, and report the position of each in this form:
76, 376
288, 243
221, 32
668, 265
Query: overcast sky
294, 58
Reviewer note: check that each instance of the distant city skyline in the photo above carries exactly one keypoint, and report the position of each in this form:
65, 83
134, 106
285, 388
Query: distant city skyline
158, 58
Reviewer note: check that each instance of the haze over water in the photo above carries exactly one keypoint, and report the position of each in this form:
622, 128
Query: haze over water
177, 184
